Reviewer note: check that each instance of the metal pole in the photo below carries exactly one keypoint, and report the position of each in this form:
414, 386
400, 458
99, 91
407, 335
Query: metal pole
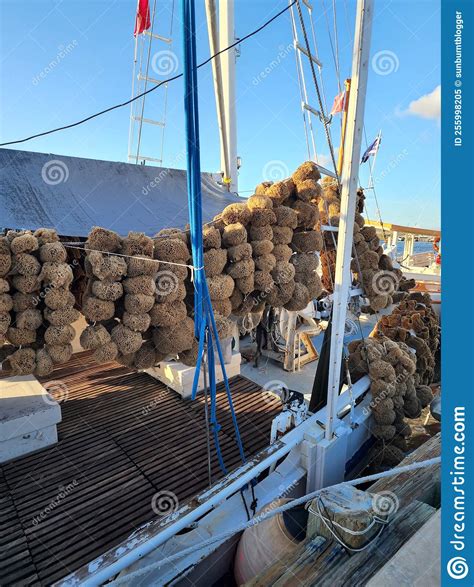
226, 38
349, 180
347, 85
211, 14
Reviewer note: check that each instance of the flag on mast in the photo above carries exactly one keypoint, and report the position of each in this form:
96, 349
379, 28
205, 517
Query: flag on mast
338, 105
142, 20
372, 149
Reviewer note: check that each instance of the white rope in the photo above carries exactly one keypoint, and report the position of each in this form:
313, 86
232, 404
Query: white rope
125, 580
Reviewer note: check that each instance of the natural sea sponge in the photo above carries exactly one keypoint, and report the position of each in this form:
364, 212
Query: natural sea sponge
107, 290
93, 337
138, 303
6, 302
314, 285
280, 294
262, 216
53, 253
215, 261
139, 266
211, 237
283, 272
221, 286
260, 248
96, 310
127, 340
260, 233
239, 252
308, 189
234, 234
265, 262
308, 214
61, 317
29, 319
168, 291
384, 432
189, 357
137, 243
5, 263
26, 283
307, 242
56, 274
105, 353
111, 267
282, 235
4, 286
282, 252
424, 394
44, 363
26, 243
307, 170
22, 361
261, 188
58, 297
26, 264
136, 322
259, 202
286, 217
170, 341
300, 298
280, 191
23, 301
305, 264
174, 233
263, 281
21, 336
142, 284
223, 307
126, 360
168, 314
145, 357
101, 239
245, 285
46, 235
241, 269
59, 334
60, 353
5, 321
171, 249
236, 213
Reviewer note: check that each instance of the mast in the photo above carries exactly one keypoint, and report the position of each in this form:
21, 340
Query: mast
227, 38
349, 185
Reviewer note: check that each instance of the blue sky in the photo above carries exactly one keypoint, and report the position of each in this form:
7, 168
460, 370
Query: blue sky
61, 61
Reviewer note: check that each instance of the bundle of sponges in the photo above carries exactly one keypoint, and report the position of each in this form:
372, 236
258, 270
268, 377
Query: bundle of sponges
105, 268
415, 323
59, 311
6, 300
391, 367
172, 329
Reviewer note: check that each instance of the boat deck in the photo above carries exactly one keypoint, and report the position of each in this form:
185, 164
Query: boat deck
124, 438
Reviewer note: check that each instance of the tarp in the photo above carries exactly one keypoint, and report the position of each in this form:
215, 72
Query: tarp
72, 194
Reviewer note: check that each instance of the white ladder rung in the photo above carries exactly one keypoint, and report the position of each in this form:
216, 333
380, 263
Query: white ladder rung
143, 158
158, 37
150, 79
148, 120
327, 228
309, 55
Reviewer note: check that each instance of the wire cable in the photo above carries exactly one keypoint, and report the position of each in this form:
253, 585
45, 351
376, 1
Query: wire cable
138, 96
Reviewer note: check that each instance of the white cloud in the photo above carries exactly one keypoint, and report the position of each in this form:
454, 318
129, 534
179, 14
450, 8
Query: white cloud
427, 106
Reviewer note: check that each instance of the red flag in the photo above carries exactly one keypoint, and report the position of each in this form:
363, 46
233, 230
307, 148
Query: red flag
338, 105
142, 21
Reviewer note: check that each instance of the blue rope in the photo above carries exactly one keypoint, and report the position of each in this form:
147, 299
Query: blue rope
204, 321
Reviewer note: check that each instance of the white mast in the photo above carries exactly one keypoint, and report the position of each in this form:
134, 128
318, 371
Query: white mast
349, 181
227, 38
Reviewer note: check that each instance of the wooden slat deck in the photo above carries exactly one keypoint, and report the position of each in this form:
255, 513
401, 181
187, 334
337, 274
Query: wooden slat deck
124, 437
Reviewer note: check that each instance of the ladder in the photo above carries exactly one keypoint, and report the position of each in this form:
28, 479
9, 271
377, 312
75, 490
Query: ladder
154, 61
303, 56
